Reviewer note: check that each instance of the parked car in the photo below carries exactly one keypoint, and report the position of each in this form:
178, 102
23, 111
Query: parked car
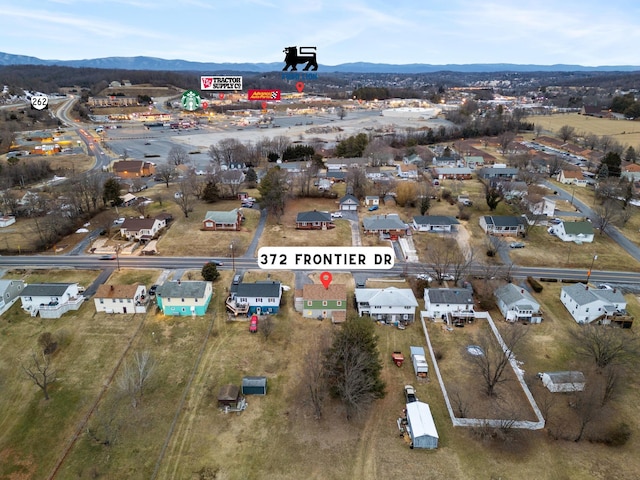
516, 245
152, 289
373, 208
410, 394
448, 277
336, 215
253, 326
119, 221
424, 276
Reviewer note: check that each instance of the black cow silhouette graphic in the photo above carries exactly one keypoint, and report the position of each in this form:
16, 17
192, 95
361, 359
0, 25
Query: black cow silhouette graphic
293, 58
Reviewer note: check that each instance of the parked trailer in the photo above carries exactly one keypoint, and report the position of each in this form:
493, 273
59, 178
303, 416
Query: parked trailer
420, 366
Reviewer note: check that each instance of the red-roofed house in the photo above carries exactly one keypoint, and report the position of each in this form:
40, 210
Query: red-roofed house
631, 172
133, 168
121, 298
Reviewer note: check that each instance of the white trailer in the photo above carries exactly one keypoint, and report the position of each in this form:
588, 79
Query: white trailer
419, 361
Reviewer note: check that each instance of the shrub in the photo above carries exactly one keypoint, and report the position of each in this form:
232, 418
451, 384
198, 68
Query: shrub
617, 436
537, 287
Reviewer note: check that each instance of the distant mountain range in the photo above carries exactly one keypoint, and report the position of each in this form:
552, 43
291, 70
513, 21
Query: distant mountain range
152, 63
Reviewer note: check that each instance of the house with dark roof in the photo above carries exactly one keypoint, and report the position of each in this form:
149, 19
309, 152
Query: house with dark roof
50, 300
593, 111
349, 202
579, 232
517, 305
314, 220
219, 220
260, 298
184, 298
502, 225
384, 224
133, 168
434, 223
586, 304
389, 304
141, 229
452, 305
498, 172
121, 298
316, 301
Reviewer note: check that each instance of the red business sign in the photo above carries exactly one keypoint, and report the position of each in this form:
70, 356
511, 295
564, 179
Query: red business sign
263, 95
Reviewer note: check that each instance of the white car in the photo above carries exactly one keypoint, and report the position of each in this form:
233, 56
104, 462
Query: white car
424, 276
448, 277
336, 215
119, 221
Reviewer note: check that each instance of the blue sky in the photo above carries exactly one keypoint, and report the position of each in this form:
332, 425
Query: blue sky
584, 32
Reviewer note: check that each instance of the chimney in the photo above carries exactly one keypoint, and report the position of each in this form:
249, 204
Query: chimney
615, 290
179, 282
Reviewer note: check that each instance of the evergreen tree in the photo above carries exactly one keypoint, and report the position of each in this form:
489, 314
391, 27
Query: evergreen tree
111, 192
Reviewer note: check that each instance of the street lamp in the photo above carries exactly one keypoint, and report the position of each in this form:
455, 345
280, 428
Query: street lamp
117, 256
233, 258
595, 257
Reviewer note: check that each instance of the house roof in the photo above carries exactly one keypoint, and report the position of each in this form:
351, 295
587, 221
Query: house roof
383, 222
315, 291
128, 165
456, 296
421, 420
577, 228
229, 217
453, 170
264, 288
502, 171
510, 294
348, 198
117, 291
634, 167
182, 289
567, 376
390, 296
503, 220
372, 197
228, 393
584, 296
136, 224
313, 216
45, 289
577, 174
435, 220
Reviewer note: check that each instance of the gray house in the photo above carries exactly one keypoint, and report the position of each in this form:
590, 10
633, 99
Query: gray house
434, 223
9, 293
517, 305
587, 304
502, 225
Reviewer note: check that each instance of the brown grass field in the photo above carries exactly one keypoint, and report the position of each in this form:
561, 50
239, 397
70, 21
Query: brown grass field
627, 132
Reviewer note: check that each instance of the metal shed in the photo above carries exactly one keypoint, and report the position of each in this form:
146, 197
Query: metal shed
254, 385
566, 381
422, 429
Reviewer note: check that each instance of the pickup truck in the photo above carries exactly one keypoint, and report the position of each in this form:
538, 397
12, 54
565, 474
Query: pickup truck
410, 394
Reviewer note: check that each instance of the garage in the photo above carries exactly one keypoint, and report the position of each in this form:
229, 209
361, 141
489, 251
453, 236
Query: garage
254, 385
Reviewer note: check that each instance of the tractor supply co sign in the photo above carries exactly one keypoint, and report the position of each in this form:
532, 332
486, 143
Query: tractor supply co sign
220, 83
263, 95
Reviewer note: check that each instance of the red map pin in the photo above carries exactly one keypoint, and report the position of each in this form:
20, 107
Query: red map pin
264, 105
221, 96
205, 105
325, 278
300, 87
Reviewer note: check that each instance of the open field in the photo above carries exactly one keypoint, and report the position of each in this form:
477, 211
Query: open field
277, 435
626, 132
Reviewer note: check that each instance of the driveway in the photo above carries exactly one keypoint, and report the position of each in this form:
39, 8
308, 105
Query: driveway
253, 246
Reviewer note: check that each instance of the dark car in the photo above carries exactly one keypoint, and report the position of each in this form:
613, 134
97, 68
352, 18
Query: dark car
217, 263
373, 208
152, 289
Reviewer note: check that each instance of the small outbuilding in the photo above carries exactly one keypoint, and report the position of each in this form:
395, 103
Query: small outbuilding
254, 385
568, 381
229, 396
421, 426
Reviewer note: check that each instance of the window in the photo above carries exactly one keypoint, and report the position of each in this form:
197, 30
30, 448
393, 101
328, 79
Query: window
102, 301
259, 300
183, 300
324, 303
339, 303
309, 303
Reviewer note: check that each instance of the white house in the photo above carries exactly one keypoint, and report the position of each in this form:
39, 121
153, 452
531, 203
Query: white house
9, 293
434, 223
50, 300
143, 229
586, 304
372, 200
387, 304
502, 225
572, 177
580, 232
449, 304
121, 298
545, 206
517, 305
349, 203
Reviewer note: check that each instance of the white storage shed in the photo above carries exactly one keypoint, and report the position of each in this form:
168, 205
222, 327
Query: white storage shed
421, 426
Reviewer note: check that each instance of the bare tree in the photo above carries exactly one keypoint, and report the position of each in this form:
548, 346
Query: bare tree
135, 375
166, 172
177, 155
492, 363
566, 133
607, 214
357, 181
267, 326
447, 258
184, 197
315, 381
587, 407
505, 140
40, 371
606, 345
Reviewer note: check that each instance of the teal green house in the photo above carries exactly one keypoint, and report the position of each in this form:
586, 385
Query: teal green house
184, 298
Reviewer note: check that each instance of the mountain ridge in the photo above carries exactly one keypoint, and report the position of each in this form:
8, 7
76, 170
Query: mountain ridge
155, 63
